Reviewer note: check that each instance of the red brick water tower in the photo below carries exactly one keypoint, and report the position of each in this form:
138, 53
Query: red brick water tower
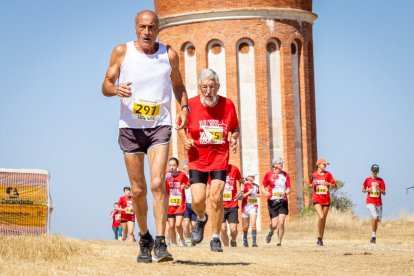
263, 53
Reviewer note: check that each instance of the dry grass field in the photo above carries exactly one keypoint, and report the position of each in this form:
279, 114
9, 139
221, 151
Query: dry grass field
347, 251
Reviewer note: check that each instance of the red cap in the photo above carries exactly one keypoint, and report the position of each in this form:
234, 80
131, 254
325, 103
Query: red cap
321, 161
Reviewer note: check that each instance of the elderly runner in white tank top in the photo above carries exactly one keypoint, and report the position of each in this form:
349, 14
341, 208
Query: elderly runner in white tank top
142, 74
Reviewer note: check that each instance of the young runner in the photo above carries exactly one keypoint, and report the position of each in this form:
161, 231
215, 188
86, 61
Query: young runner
231, 206
374, 186
116, 221
127, 215
250, 204
175, 182
321, 181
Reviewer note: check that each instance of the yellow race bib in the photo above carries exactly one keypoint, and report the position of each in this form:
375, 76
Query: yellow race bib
144, 110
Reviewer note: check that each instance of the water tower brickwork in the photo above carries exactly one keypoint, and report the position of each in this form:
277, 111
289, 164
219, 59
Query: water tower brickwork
263, 53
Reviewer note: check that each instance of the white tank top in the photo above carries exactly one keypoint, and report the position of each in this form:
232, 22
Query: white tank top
150, 103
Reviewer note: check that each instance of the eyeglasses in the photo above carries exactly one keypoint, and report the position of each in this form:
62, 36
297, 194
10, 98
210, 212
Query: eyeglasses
207, 87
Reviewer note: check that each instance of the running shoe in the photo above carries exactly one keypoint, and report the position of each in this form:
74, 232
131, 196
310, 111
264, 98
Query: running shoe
160, 252
373, 240
279, 244
254, 245
189, 243
215, 245
145, 248
269, 237
245, 243
233, 243
183, 242
319, 242
197, 234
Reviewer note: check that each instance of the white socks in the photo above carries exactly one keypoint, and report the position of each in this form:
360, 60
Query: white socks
203, 219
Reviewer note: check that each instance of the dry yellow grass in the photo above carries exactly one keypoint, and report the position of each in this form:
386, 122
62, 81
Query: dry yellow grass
346, 252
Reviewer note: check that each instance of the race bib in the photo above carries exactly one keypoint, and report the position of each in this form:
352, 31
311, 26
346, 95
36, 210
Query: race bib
321, 190
252, 200
227, 195
175, 200
129, 210
278, 194
118, 217
214, 134
144, 110
374, 192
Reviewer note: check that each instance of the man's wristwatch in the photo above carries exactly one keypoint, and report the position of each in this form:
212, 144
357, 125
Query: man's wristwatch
185, 106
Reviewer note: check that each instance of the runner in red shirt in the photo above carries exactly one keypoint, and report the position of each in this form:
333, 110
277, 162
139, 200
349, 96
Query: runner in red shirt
175, 182
374, 186
250, 204
127, 215
116, 221
321, 181
212, 127
231, 206
276, 186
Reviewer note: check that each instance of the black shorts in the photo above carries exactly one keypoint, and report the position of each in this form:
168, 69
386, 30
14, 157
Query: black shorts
189, 213
174, 215
202, 177
231, 215
277, 207
135, 140
125, 220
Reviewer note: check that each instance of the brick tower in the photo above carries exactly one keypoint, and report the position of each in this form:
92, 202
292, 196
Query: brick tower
263, 53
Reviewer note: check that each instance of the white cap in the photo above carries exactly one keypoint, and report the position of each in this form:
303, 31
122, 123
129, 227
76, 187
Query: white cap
278, 160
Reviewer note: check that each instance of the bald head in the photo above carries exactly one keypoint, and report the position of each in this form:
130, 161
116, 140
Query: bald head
147, 14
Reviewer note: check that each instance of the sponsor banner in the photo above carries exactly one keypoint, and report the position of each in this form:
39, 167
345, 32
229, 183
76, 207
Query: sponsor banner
21, 215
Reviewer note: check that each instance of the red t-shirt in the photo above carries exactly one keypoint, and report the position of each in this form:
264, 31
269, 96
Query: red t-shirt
209, 128
128, 214
276, 184
230, 189
176, 195
374, 197
321, 193
253, 198
116, 218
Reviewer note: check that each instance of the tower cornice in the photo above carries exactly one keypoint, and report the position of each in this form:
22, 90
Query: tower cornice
234, 14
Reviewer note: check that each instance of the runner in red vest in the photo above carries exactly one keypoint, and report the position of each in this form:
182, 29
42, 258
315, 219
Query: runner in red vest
374, 186
116, 222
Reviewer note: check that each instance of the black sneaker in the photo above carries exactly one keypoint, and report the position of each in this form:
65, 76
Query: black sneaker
197, 234
319, 242
245, 243
373, 240
269, 237
233, 243
215, 245
279, 244
145, 248
160, 251
254, 245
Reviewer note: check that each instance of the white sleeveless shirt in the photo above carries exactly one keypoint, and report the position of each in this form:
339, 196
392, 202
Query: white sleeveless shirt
150, 103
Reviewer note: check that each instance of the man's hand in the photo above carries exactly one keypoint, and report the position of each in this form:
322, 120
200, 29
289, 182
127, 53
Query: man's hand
123, 90
181, 121
240, 195
188, 144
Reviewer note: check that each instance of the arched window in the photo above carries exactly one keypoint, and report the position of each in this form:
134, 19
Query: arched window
216, 54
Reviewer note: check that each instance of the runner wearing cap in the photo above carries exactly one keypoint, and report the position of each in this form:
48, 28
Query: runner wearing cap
276, 186
231, 206
374, 186
321, 181
249, 208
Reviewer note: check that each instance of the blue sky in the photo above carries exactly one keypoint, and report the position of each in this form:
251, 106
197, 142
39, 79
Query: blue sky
54, 55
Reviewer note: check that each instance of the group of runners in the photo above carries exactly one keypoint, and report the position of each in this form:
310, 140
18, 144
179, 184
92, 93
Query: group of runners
142, 73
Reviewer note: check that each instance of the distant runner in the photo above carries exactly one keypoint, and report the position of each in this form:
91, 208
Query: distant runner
250, 204
190, 217
116, 222
374, 186
175, 183
127, 215
321, 181
231, 206
276, 186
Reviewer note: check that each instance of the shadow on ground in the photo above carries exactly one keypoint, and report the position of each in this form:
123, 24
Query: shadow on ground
211, 263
